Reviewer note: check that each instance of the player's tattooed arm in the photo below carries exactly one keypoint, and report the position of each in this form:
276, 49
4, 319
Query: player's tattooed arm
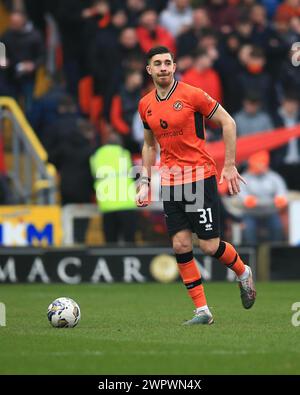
229, 172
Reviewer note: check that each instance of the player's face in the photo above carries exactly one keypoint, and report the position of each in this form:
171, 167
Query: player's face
162, 69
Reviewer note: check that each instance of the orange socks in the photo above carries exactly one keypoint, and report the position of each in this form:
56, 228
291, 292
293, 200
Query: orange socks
227, 254
191, 277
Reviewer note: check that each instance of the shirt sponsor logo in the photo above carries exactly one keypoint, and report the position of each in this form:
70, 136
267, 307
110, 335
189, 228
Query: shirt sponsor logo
172, 134
178, 106
164, 124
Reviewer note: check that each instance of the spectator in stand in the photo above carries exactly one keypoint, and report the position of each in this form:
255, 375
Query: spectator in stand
24, 52
209, 41
223, 16
228, 64
128, 43
289, 75
178, 17
286, 159
129, 56
293, 35
134, 9
37, 9
71, 158
263, 196
104, 58
277, 47
150, 33
244, 54
281, 26
244, 30
57, 127
262, 31
252, 119
187, 41
254, 78
244, 7
124, 107
158, 5
287, 10
72, 17
203, 76
115, 190
46, 109
271, 6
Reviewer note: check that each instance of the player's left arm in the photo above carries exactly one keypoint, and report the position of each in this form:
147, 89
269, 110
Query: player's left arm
229, 172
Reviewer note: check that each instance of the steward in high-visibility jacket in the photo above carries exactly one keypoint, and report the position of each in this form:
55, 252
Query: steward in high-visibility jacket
115, 190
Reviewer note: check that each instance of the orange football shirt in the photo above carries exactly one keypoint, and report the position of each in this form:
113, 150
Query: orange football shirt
177, 123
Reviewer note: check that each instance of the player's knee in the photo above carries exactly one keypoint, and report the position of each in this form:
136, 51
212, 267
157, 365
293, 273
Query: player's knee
181, 246
209, 247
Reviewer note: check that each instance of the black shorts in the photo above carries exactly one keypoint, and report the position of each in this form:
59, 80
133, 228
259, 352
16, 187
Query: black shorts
193, 206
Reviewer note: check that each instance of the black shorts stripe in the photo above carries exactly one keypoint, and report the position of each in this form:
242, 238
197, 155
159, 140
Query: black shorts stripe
185, 257
193, 284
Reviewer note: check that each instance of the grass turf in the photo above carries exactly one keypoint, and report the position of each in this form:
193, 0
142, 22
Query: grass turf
136, 329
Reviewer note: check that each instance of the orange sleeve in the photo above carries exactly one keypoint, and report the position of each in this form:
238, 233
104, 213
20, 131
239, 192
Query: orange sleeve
116, 116
204, 104
142, 115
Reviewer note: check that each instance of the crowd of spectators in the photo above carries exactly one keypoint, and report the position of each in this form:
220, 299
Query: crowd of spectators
242, 52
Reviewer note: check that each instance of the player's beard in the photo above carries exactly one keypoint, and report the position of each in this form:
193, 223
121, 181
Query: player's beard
164, 82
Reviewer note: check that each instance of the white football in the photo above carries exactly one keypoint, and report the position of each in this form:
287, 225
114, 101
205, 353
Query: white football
63, 313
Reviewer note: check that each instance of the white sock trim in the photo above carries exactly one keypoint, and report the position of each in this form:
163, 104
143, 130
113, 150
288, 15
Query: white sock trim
202, 308
245, 275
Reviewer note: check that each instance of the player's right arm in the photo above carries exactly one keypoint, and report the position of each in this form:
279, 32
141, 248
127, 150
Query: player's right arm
149, 158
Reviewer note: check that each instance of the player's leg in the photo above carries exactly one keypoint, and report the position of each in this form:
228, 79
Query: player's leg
206, 222
180, 232
227, 254
191, 276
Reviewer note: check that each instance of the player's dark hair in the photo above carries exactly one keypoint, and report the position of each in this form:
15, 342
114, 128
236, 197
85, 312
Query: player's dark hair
158, 51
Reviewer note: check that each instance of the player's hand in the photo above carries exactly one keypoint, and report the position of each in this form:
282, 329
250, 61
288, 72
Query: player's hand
233, 178
142, 196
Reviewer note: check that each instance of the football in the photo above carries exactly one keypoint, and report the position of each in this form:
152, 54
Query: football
63, 313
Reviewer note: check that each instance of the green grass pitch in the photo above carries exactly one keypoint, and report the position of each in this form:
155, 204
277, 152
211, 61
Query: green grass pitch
136, 329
